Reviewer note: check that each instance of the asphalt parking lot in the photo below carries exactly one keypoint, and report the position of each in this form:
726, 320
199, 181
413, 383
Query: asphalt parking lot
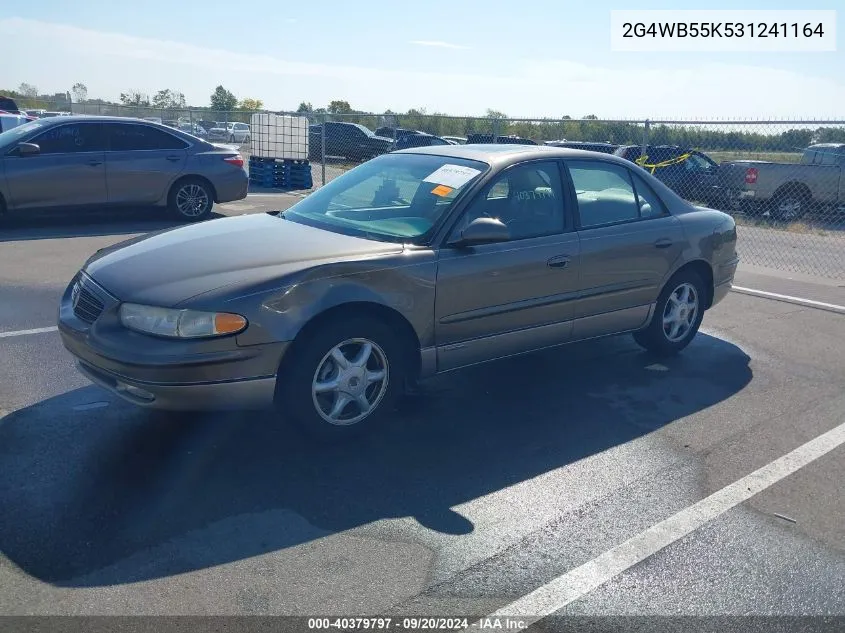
502, 486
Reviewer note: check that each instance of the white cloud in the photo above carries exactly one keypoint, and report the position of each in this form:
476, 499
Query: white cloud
110, 63
438, 44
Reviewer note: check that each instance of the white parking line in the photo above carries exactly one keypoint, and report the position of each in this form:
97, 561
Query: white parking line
789, 298
38, 330
580, 581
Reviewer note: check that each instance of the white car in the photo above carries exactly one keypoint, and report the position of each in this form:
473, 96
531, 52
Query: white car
237, 132
8, 121
229, 132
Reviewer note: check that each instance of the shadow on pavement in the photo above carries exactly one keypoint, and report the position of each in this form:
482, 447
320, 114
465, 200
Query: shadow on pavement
88, 224
111, 495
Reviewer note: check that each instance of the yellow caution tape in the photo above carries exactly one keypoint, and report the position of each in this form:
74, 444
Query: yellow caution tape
641, 161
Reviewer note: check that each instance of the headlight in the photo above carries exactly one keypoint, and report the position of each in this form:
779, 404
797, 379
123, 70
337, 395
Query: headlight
179, 323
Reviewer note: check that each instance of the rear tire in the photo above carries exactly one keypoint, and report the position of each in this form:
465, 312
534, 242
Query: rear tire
677, 315
330, 402
790, 206
190, 200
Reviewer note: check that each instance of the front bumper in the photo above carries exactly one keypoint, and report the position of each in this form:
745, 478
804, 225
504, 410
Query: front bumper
208, 374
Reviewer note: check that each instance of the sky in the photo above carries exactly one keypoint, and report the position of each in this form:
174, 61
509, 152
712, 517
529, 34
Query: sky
546, 58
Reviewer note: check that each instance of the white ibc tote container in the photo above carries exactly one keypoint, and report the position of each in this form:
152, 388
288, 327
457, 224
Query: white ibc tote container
279, 136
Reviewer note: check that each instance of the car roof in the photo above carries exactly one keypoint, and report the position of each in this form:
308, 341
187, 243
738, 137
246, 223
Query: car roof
500, 153
92, 117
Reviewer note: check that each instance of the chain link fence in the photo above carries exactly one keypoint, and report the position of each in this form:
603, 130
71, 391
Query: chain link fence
781, 180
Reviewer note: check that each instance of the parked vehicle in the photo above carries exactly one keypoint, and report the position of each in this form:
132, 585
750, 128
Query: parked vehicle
89, 161
238, 132
194, 129
389, 132
420, 139
351, 141
8, 105
154, 119
218, 131
691, 174
330, 309
455, 140
9, 121
787, 190
488, 138
604, 148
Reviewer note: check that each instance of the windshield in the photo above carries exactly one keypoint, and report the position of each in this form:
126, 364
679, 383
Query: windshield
395, 197
13, 135
365, 130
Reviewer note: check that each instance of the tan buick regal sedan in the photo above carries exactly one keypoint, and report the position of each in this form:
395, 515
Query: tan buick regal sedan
417, 262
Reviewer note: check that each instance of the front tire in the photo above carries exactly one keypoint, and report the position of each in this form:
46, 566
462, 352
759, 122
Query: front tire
190, 200
344, 379
677, 315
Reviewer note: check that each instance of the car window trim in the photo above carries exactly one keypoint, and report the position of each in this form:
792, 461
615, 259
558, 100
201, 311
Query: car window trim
664, 210
147, 125
483, 188
580, 228
31, 139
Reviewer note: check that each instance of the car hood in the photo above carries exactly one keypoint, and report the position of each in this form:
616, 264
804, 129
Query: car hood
169, 267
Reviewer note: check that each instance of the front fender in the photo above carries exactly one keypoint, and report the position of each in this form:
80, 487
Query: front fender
280, 315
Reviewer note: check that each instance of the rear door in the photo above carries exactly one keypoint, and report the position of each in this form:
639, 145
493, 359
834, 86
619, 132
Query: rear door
68, 171
142, 162
629, 244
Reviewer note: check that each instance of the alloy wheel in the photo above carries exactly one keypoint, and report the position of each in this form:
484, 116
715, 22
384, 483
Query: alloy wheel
350, 381
680, 312
192, 200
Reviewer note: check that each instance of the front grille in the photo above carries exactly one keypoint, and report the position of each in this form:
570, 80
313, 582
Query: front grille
86, 306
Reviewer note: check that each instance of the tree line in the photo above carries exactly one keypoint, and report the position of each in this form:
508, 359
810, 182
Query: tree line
588, 128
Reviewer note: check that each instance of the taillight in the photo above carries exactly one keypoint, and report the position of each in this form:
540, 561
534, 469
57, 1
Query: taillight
750, 175
237, 161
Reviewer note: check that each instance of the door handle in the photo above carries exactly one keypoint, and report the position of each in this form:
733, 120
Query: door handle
561, 261
173, 159
663, 243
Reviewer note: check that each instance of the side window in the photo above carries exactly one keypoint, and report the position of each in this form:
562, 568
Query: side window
650, 204
527, 198
830, 157
605, 193
128, 137
71, 139
696, 163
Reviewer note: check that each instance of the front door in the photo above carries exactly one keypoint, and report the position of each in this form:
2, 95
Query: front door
500, 299
68, 171
629, 244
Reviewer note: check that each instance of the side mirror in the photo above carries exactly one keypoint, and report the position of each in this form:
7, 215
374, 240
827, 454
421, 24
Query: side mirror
28, 149
482, 231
